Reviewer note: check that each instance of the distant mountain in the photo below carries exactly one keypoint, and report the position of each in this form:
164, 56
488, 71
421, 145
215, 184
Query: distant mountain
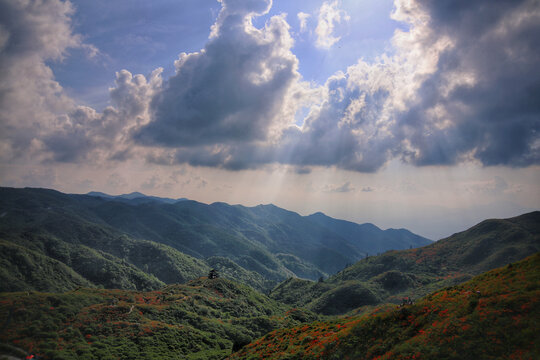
493, 316
416, 272
204, 319
369, 237
252, 237
137, 238
137, 197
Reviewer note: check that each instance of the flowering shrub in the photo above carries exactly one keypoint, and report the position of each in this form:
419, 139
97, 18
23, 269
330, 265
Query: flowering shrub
495, 315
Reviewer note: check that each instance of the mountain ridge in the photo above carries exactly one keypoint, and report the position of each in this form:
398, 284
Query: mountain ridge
269, 243
414, 272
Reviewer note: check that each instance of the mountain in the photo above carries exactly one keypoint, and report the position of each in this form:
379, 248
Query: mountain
137, 242
136, 197
369, 237
52, 244
416, 272
492, 316
204, 319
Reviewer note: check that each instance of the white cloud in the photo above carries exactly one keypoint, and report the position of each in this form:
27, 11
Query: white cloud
344, 188
31, 33
303, 18
38, 120
84, 134
329, 16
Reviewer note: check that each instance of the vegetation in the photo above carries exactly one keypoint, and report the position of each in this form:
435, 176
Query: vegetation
204, 319
139, 242
417, 272
492, 316
72, 247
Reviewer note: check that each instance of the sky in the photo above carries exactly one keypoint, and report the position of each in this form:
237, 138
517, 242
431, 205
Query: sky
407, 113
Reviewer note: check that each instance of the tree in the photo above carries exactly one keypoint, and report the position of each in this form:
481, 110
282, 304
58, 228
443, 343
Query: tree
213, 274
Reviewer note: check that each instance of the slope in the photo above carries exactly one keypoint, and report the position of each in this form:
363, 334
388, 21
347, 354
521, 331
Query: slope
416, 272
493, 316
204, 319
49, 232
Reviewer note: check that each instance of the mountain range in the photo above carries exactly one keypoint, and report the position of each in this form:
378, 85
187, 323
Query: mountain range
417, 272
137, 242
95, 276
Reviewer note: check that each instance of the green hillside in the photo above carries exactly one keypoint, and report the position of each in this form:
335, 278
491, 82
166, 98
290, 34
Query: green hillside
97, 253
416, 272
493, 316
140, 242
23, 269
204, 319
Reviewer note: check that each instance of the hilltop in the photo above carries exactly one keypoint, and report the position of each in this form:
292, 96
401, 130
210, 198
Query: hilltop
493, 316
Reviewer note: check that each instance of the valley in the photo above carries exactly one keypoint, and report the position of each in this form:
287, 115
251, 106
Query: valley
95, 276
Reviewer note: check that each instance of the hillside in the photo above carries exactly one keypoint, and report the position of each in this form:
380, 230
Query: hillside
493, 316
204, 319
51, 228
141, 242
416, 272
369, 237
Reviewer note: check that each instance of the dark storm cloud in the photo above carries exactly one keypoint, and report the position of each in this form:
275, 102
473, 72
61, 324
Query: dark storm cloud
495, 118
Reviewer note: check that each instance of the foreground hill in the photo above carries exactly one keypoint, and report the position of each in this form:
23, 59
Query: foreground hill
138, 242
416, 272
204, 319
493, 316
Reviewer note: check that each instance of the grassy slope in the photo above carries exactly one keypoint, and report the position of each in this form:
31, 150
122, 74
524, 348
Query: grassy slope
416, 272
495, 315
200, 320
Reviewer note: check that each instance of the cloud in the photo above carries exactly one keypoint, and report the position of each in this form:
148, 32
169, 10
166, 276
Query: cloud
303, 18
461, 84
345, 188
329, 16
38, 121
234, 90
31, 33
495, 187
116, 181
151, 183
481, 100
457, 89
84, 133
